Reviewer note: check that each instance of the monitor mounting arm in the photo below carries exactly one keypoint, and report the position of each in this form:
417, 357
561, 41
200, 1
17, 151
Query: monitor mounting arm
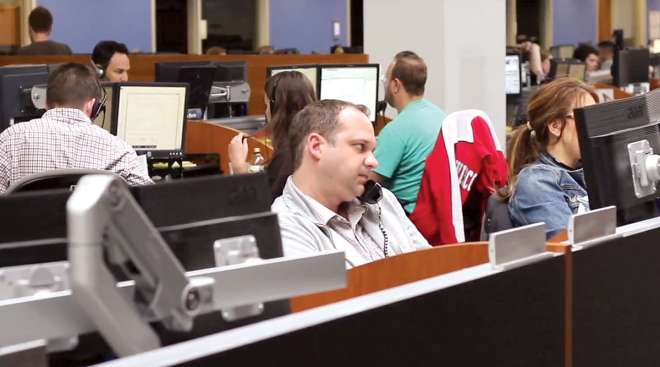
104, 225
645, 168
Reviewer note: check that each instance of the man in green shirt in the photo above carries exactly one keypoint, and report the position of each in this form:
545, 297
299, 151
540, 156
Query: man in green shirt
406, 141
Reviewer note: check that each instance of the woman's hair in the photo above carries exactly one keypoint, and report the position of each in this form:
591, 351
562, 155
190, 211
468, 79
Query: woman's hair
553, 101
288, 92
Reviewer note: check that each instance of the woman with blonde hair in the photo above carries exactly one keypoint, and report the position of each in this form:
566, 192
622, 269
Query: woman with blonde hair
546, 180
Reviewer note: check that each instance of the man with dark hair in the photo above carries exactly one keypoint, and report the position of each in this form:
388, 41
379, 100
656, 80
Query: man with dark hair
406, 141
64, 137
324, 205
588, 55
41, 26
110, 59
606, 54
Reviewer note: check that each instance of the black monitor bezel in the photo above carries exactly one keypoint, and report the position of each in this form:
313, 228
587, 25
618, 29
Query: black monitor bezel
366, 65
156, 153
12, 72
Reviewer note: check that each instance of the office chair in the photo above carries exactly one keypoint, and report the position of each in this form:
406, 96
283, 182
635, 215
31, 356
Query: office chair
52, 179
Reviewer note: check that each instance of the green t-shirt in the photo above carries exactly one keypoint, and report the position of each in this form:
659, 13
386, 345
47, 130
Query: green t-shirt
403, 146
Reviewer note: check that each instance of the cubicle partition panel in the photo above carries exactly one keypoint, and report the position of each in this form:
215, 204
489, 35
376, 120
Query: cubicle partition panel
143, 67
617, 302
472, 317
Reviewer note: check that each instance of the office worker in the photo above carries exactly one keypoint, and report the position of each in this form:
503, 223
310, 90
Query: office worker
40, 22
65, 137
405, 142
588, 55
332, 145
286, 93
546, 180
110, 59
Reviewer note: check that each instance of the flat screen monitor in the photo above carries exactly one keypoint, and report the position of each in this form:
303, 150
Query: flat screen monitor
232, 72
104, 119
151, 117
564, 51
605, 131
352, 83
198, 74
512, 78
567, 68
310, 71
631, 66
15, 85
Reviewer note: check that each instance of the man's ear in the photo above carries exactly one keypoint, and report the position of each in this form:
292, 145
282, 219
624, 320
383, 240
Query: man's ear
315, 145
88, 106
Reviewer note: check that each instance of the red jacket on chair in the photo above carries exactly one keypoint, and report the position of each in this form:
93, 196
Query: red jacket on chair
466, 165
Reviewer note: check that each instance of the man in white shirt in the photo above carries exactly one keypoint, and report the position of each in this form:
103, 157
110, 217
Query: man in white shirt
65, 137
332, 145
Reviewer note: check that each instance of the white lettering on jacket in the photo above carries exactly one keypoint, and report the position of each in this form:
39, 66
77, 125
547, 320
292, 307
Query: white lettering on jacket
465, 175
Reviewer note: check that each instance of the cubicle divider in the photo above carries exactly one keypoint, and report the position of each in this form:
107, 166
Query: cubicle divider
616, 301
143, 66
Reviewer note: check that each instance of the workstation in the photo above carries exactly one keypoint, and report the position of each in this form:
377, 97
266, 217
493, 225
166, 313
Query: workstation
196, 268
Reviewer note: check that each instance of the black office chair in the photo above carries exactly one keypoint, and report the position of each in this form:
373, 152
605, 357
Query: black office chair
496, 217
53, 179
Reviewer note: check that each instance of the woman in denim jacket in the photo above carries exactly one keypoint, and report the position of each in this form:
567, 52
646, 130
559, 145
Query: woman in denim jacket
546, 177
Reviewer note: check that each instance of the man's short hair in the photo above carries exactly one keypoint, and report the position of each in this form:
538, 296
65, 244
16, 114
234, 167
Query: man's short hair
72, 85
583, 51
104, 50
40, 20
320, 117
410, 69
607, 44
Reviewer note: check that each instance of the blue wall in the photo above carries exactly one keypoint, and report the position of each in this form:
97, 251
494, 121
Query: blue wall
82, 23
306, 24
574, 21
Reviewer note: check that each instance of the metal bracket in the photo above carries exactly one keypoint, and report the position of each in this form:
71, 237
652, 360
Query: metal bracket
592, 227
515, 247
644, 175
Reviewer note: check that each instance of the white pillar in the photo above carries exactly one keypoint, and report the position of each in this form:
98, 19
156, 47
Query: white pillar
463, 43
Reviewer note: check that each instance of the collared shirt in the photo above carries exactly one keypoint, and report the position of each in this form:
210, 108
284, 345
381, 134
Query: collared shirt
307, 227
403, 146
65, 138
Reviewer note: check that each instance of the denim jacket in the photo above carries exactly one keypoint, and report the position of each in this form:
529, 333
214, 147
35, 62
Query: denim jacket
548, 191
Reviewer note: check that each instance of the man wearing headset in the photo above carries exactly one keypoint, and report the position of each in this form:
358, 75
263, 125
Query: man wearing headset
110, 59
64, 137
328, 202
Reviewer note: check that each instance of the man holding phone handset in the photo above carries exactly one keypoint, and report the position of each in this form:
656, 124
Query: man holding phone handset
325, 205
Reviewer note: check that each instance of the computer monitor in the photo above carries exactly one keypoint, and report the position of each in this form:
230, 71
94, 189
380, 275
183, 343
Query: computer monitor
631, 66
512, 74
310, 71
605, 131
563, 51
190, 214
16, 83
232, 72
151, 117
567, 68
104, 119
198, 74
352, 83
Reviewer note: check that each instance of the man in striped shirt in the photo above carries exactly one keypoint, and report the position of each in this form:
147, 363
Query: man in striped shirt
65, 137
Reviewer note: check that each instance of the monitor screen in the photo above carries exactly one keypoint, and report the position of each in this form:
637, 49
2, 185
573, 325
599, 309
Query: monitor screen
631, 66
512, 71
310, 71
150, 117
352, 83
606, 132
15, 84
562, 51
567, 68
104, 119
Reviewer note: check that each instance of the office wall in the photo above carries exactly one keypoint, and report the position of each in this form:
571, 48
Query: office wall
307, 24
464, 51
82, 23
575, 21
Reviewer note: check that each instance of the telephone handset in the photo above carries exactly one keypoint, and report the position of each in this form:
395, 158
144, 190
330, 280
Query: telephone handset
372, 193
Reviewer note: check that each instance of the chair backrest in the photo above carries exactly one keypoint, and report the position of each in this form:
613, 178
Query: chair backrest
52, 179
496, 217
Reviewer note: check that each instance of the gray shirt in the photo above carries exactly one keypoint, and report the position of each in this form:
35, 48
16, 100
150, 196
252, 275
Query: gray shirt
45, 48
307, 227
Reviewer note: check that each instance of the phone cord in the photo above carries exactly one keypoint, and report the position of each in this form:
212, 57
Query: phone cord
382, 229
